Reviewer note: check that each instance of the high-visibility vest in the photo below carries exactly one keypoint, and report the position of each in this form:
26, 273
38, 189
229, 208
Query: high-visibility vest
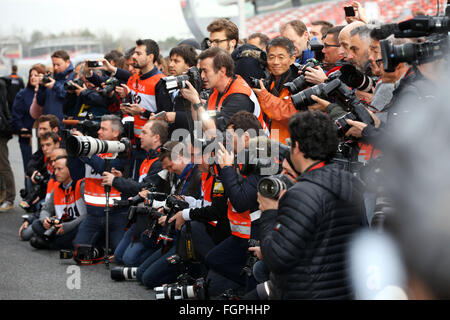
210, 186
238, 85
145, 166
143, 93
69, 204
50, 186
94, 192
367, 152
241, 222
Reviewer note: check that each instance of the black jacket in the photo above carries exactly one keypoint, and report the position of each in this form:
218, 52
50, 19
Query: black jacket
304, 242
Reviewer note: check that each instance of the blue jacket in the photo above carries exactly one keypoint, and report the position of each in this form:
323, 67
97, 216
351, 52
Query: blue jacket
21, 109
306, 54
53, 99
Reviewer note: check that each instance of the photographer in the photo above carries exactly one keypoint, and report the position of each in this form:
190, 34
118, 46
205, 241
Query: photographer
25, 232
155, 270
230, 93
275, 99
131, 251
297, 32
229, 257
325, 209
181, 58
93, 226
51, 94
62, 212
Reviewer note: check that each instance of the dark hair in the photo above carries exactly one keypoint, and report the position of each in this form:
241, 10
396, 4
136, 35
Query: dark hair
39, 68
263, 39
245, 121
50, 135
114, 55
160, 128
129, 53
14, 68
335, 32
221, 59
187, 52
151, 47
325, 25
54, 121
315, 134
62, 54
282, 42
167, 148
231, 30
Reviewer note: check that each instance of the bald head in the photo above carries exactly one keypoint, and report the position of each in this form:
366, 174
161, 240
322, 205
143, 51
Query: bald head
345, 37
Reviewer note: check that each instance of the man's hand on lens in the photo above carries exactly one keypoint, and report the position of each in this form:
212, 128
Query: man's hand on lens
225, 158
190, 93
75, 132
356, 128
267, 203
315, 75
116, 173
60, 229
162, 220
144, 193
262, 87
50, 84
132, 109
179, 220
107, 178
34, 175
321, 104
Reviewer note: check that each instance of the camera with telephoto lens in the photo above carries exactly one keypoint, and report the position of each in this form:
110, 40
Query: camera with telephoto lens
84, 254
355, 78
69, 85
317, 46
86, 146
300, 83
251, 258
435, 46
271, 187
28, 197
174, 205
110, 86
47, 78
198, 290
173, 83
50, 233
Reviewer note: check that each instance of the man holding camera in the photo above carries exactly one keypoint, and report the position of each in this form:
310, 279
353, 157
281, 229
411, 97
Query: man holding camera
51, 94
181, 58
275, 100
230, 93
324, 208
93, 226
62, 212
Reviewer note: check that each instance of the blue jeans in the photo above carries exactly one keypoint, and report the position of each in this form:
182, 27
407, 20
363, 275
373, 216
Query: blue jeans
25, 149
92, 230
261, 272
131, 254
156, 271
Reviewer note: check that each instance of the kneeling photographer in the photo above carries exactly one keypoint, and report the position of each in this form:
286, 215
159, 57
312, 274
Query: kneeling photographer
61, 213
324, 207
89, 158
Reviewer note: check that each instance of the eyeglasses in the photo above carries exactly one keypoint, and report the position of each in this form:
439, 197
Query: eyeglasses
216, 42
326, 45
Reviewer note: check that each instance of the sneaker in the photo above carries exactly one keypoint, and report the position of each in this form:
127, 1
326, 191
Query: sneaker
6, 205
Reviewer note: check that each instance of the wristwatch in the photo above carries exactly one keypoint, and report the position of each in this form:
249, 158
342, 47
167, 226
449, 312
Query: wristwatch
197, 105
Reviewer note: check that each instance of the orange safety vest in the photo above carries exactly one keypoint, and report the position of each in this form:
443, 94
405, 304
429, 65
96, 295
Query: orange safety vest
94, 192
50, 185
69, 204
241, 222
143, 93
145, 166
367, 152
238, 85
209, 187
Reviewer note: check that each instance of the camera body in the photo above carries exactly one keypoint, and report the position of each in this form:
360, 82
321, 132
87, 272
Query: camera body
179, 82
300, 83
50, 233
251, 259
28, 197
197, 290
110, 86
254, 83
69, 84
47, 78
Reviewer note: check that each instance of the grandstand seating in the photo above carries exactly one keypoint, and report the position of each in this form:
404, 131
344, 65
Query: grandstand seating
390, 11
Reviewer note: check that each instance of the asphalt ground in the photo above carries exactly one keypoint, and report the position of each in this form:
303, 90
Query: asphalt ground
30, 274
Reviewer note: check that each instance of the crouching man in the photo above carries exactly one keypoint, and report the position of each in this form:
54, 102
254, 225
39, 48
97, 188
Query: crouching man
61, 213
